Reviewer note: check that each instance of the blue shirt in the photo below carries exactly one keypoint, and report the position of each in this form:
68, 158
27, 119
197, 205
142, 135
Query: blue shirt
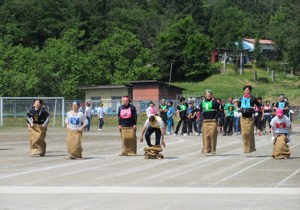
170, 112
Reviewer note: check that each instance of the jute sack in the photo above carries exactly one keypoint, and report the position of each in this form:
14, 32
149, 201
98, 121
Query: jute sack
37, 140
281, 150
247, 126
209, 138
128, 135
74, 143
153, 152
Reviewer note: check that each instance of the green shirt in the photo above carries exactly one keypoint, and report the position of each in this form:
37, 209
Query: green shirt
229, 110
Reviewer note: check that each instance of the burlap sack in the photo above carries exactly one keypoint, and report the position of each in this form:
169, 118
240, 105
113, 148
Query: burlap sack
153, 152
247, 126
281, 150
74, 144
37, 140
209, 138
128, 135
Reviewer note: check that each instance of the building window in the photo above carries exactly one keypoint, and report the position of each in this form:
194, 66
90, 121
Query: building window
95, 101
115, 102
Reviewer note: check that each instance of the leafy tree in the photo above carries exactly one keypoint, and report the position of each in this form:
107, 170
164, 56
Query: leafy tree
186, 47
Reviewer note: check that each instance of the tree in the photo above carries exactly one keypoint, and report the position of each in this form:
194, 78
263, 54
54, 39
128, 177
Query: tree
124, 59
184, 45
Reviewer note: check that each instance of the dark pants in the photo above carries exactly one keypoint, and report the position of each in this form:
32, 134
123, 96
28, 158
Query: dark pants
228, 125
87, 127
258, 123
184, 127
199, 122
267, 118
148, 133
192, 122
101, 123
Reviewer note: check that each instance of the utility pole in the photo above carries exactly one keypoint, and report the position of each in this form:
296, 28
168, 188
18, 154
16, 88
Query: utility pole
170, 76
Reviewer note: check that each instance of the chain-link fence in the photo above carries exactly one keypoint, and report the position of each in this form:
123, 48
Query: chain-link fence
19, 108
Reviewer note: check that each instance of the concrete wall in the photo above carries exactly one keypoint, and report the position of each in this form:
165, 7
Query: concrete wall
106, 94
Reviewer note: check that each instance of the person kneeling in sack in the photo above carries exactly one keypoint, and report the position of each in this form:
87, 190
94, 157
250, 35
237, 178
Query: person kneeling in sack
153, 124
37, 122
280, 135
76, 122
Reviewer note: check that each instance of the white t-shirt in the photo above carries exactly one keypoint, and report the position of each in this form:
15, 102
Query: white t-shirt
74, 122
88, 111
157, 124
280, 125
236, 113
100, 112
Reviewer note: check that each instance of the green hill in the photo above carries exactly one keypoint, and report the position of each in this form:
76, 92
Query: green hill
231, 84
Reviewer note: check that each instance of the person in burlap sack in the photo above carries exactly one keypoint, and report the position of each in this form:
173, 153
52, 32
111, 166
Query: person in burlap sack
37, 122
127, 127
209, 107
153, 124
280, 130
247, 120
76, 122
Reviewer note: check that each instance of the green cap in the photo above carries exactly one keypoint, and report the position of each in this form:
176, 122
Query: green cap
208, 90
163, 99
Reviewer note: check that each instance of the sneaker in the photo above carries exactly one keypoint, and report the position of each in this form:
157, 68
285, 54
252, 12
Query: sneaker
184, 134
236, 133
175, 134
197, 134
168, 133
224, 134
100, 130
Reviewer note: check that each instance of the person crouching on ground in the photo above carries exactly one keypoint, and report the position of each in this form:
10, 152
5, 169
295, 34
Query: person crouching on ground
37, 122
127, 126
247, 119
209, 107
280, 135
76, 122
153, 124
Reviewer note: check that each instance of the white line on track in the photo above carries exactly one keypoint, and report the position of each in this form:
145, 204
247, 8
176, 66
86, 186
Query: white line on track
245, 169
154, 164
202, 166
144, 190
191, 165
288, 177
62, 165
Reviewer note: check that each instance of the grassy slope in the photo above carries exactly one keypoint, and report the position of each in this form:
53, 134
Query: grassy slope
230, 85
